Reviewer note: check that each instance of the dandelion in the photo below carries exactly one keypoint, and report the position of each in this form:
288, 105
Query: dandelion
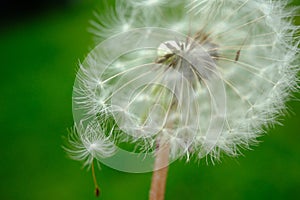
88, 144
184, 79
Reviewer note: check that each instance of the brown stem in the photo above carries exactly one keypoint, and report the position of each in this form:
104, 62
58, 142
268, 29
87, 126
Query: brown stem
97, 190
159, 177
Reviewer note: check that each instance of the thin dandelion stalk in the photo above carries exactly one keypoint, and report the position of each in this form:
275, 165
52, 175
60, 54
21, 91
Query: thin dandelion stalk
97, 188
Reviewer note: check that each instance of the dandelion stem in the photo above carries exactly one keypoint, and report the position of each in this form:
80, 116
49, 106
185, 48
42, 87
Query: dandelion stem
159, 177
97, 190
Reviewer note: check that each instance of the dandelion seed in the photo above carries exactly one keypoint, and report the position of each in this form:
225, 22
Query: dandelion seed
89, 143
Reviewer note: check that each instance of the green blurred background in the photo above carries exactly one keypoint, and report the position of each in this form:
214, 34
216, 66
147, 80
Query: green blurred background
40, 49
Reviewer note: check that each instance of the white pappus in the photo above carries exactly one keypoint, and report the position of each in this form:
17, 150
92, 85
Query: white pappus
224, 83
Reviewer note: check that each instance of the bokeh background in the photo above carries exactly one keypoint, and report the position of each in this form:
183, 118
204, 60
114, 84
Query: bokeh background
41, 43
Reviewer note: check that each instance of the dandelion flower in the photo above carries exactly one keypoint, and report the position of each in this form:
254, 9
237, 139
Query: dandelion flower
197, 78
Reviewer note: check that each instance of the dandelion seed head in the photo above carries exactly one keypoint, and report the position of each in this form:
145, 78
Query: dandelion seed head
212, 84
